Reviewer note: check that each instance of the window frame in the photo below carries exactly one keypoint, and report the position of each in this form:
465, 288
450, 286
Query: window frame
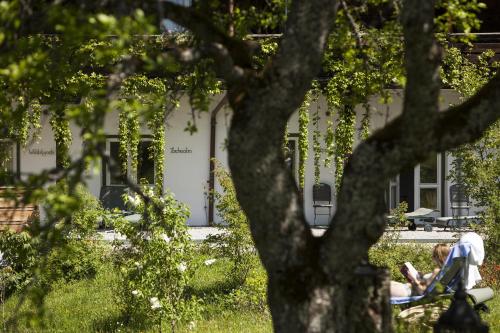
106, 174
437, 186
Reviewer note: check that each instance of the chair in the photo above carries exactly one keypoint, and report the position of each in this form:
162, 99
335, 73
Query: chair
112, 197
454, 271
322, 198
460, 203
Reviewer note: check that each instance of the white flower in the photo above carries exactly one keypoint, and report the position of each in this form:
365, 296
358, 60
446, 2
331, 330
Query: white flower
182, 267
133, 201
210, 262
165, 238
155, 303
135, 292
191, 325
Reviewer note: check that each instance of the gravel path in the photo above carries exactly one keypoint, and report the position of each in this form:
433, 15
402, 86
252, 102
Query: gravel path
198, 234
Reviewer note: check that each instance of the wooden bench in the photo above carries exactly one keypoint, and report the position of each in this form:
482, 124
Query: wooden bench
15, 216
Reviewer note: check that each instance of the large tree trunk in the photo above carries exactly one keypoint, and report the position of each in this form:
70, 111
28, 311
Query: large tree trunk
314, 303
315, 284
304, 295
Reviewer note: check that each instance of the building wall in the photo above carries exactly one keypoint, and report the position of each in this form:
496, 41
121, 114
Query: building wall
187, 173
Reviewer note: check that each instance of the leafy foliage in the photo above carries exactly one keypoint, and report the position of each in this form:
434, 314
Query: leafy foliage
235, 241
398, 214
156, 264
477, 165
28, 262
303, 138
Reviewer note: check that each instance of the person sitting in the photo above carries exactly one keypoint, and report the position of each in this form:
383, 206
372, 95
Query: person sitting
418, 286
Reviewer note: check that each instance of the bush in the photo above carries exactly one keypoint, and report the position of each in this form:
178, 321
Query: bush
398, 215
67, 251
252, 295
477, 167
156, 263
387, 252
19, 259
235, 241
75, 260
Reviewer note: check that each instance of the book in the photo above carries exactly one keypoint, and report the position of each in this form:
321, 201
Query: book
410, 273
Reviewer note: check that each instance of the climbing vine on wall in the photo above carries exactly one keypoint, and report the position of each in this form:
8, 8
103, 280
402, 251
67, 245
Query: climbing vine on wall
329, 138
129, 135
62, 134
344, 139
316, 144
364, 130
303, 138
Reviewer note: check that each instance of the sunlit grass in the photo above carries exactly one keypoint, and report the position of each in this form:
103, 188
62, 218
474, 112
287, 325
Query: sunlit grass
90, 306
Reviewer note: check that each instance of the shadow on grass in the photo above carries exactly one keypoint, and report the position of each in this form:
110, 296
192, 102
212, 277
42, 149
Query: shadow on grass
119, 323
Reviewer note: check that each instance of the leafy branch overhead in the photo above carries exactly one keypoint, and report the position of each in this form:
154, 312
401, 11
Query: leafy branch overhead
78, 62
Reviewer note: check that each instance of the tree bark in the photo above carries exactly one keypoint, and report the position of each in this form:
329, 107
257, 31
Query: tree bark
323, 284
311, 302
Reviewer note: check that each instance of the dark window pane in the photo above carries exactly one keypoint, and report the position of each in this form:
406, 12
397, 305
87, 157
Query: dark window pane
428, 198
114, 154
6, 163
145, 163
428, 170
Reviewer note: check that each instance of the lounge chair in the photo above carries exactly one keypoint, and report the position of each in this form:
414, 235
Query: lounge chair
460, 265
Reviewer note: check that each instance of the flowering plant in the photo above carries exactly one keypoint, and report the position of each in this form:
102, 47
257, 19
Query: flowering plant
155, 261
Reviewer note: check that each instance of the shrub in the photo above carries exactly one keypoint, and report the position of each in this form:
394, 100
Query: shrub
392, 255
398, 215
235, 241
477, 166
19, 259
156, 263
67, 251
252, 295
75, 260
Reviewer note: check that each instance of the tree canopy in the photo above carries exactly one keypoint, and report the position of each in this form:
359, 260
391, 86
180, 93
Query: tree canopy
79, 61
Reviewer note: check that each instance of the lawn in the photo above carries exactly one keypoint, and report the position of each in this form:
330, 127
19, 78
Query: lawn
90, 306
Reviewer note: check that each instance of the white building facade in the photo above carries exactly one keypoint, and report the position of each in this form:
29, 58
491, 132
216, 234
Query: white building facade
187, 159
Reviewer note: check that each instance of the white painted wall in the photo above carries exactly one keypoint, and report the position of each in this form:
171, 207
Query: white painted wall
187, 174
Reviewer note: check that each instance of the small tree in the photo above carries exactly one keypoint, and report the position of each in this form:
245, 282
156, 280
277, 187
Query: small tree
156, 264
235, 241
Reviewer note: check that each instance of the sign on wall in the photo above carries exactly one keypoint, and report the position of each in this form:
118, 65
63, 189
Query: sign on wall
42, 152
177, 150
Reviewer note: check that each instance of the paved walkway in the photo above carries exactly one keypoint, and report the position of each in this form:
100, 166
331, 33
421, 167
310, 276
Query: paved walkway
198, 234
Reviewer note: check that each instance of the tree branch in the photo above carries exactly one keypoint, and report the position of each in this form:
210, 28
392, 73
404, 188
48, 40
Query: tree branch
466, 122
403, 143
422, 59
262, 108
387, 153
199, 24
299, 57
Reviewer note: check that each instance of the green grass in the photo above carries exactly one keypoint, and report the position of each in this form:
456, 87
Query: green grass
493, 318
90, 306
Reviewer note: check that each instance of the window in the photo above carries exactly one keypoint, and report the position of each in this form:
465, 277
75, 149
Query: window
393, 193
427, 177
7, 165
145, 163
